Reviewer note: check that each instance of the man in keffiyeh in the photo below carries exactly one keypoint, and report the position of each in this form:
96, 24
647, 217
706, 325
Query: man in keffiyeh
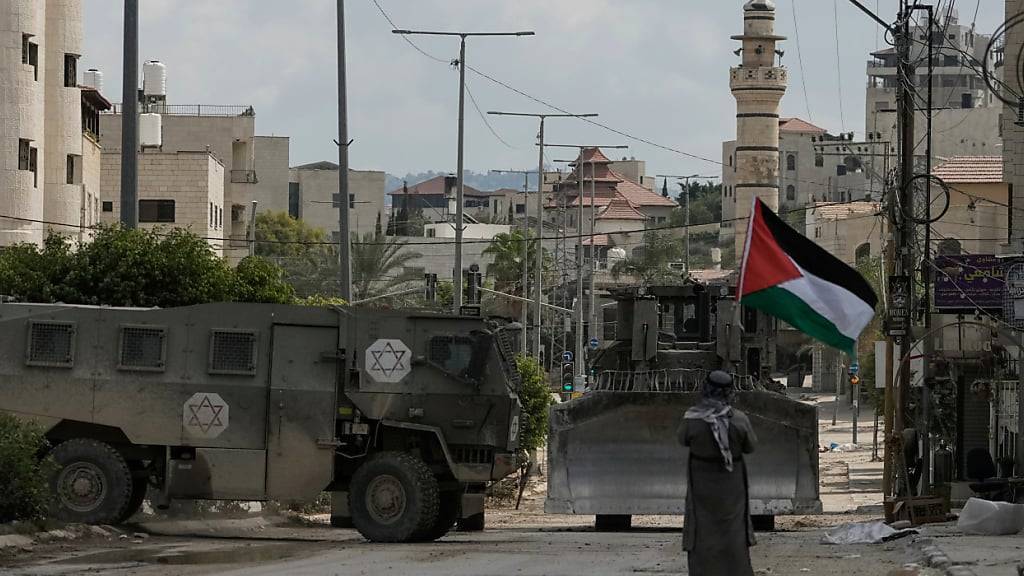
717, 534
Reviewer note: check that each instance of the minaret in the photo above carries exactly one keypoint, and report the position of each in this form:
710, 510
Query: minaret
758, 86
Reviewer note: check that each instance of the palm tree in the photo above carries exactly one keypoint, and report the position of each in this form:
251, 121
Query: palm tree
507, 268
378, 265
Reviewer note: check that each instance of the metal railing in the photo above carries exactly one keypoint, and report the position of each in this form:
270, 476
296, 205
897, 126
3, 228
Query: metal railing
244, 177
210, 110
670, 380
1004, 407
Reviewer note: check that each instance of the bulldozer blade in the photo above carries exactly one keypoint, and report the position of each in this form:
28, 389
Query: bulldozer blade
618, 453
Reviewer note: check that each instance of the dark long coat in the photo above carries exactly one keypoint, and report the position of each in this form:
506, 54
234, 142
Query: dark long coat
717, 532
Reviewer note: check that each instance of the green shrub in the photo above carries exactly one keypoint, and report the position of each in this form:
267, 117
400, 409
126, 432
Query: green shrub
24, 477
536, 399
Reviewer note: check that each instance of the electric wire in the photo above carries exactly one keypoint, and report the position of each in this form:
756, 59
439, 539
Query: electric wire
800, 59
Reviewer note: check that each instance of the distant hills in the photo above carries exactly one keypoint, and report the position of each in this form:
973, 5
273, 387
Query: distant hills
479, 180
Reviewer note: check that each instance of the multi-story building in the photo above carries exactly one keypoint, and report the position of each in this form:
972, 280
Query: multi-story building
175, 190
434, 200
44, 155
313, 198
1012, 131
968, 122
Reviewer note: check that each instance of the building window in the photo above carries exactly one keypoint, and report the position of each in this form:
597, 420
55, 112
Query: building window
30, 54
70, 71
156, 211
33, 157
863, 253
520, 208
24, 147
967, 100
220, 217
730, 160
790, 162
108, 206
431, 233
335, 197
294, 197
790, 193
819, 160
213, 216
74, 175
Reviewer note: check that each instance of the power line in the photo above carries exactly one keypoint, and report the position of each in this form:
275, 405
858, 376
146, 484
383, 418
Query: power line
800, 59
484, 118
839, 66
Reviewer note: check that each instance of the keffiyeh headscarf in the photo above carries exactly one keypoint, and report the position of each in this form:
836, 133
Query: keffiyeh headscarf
713, 408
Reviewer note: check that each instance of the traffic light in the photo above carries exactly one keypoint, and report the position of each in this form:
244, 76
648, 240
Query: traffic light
474, 280
568, 377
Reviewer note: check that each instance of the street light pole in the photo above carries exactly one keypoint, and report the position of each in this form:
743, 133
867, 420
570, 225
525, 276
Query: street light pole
580, 367
461, 186
344, 216
538, 258
526, 256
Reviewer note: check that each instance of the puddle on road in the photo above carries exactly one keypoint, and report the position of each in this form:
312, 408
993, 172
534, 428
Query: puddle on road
180, 557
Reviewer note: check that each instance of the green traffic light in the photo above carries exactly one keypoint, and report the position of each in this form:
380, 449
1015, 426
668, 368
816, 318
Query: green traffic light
566, 387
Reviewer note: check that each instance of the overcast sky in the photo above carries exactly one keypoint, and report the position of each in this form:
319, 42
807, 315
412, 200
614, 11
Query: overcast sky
656, 69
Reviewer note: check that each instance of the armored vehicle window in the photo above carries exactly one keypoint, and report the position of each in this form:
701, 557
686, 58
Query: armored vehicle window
233, 352
452, 353
142, 348
51, 344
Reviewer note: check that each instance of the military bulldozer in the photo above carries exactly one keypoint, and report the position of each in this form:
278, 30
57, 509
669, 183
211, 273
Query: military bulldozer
613, 450
403, 417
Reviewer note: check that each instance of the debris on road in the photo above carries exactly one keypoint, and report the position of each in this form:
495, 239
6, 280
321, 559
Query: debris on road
986, 518
864, 533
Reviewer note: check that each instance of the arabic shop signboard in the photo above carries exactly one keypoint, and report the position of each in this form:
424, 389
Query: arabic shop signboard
899, 305
969, 281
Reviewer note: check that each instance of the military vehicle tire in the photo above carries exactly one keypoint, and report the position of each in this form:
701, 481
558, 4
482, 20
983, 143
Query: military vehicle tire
139, 488
447, 515
763, 522
393, 497
613, 522
474, 523
92, 483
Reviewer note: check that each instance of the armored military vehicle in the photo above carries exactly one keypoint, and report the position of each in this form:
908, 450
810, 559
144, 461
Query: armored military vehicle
613, 450
403, 416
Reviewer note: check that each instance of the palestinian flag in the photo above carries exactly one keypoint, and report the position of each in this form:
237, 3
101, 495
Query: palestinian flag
788, 276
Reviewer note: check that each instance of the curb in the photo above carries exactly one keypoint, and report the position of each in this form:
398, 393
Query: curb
934, 557
22, 540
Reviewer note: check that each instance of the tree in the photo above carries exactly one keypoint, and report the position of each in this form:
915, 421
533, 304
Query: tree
280, 235
378, 266
535, 397
137, 268
650, 265
508, 249
257, 280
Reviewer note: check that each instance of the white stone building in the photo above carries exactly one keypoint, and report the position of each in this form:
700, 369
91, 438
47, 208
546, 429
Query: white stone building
176, 190
48, 185
313, 198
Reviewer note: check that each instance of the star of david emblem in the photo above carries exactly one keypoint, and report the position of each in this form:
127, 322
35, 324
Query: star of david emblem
387, 360
205, 415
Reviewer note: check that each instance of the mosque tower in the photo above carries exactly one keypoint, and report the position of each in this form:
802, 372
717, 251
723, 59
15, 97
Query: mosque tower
758, 86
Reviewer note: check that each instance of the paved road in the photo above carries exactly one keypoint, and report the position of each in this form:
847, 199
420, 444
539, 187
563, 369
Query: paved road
538, 551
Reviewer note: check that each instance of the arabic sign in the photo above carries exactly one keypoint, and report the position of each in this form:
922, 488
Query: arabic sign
388, 360
899, 305
969, 282
205, 415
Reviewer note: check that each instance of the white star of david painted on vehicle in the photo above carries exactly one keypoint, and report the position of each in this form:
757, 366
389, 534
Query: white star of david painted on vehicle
205, 415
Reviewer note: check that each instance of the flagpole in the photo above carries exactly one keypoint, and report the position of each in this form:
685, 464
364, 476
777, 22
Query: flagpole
736, 327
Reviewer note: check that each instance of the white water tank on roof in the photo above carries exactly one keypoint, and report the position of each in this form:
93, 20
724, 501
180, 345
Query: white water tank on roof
154, 78
150, 130
94, 79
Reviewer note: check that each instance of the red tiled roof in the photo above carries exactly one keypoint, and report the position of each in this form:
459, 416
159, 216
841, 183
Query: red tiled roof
798, 125
620, 209
599, 240
971, 170
593, 155
640, 197
434, 187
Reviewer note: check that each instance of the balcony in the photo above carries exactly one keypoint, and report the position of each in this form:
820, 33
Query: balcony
244, 177
758, 78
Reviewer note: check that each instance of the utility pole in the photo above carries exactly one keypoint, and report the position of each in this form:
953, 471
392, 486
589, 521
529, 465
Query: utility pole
130, 118
460, 191
344, 226
526, 256
580, 348
538, 258
686, 206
